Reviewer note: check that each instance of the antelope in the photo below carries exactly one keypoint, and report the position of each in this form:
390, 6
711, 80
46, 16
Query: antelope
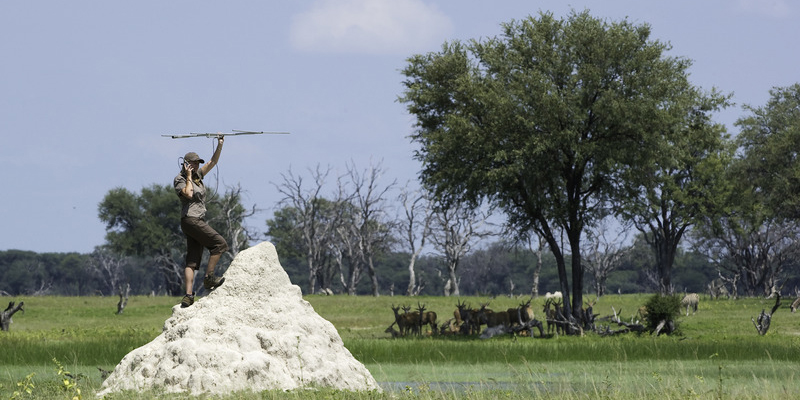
588, 314
522, 314
641, 313
449, 327
493, 318
690, 300
404, 321
466, 318
414, 319
796, 304
552, 310
393, 331
427, 318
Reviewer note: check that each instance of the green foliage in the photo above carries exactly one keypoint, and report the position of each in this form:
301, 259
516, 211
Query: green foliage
144, 224
24, 387
28, 273
542, 120
662, 308
283, 230
769, 139
69, 382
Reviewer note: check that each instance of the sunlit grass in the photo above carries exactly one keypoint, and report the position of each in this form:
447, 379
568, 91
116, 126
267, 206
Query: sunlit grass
718, 355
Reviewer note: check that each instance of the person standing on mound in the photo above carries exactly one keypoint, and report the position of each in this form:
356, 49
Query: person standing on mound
190, 189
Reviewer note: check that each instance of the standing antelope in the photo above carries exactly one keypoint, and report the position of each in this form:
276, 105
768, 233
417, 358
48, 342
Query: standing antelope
400, 320
427, 318
466, 318
522, 314
796, 303
414, 321
552, 311
690, 300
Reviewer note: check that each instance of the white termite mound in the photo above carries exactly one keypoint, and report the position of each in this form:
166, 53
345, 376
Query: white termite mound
255, 332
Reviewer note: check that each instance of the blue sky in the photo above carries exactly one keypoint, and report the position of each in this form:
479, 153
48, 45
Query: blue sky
87, 88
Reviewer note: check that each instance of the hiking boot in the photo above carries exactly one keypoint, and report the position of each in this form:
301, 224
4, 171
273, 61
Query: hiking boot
187, 300
211, 282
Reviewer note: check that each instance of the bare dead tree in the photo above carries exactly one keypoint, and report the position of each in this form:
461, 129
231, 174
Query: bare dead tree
44, 288
717, 287
763, 320
372, 226
602, 254
345, 251
123, 298
5, 316
757, 253
232, 217
317, 220
108, 267
455, 228
538, 250
172, 265
414, 227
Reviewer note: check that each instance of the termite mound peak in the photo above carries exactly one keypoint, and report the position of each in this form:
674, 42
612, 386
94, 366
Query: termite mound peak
254, 333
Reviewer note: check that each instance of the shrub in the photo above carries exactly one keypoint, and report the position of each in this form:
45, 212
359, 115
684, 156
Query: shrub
663, 308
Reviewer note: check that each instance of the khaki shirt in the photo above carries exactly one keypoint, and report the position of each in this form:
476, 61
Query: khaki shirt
196, 206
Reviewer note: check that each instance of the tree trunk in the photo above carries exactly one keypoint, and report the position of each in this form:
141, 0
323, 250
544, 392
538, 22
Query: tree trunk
666, 257
123, 298
373, 277
412, 277
537, 270
5, 316
312, 274
453, 279
577, 274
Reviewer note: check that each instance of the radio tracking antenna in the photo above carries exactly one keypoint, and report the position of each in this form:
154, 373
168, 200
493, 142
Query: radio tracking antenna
234, 132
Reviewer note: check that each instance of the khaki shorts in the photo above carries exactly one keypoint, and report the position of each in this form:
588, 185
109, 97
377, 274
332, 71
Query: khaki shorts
200, 235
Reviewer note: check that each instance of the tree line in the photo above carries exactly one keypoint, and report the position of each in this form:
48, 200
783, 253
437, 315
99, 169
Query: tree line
583, 137
496, 270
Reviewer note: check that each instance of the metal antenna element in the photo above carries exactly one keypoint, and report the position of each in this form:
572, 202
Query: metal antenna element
219, 134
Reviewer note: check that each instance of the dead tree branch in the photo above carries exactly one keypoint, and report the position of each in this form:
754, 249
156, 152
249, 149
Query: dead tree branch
5, 316
763, 321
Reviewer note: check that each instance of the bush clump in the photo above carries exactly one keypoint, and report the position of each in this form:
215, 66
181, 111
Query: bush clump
663, 309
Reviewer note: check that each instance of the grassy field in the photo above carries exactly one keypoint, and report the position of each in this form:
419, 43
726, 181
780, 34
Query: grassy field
57, 347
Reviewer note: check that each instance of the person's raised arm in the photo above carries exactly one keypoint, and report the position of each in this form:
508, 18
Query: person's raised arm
215, 158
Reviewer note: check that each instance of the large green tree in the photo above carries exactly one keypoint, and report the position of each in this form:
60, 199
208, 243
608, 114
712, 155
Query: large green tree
684, 184
769, 143
541, 120
147, 225
756, 241
143, 224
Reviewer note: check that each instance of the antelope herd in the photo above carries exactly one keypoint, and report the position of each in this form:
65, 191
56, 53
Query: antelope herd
520, 320
469, 320
466, 321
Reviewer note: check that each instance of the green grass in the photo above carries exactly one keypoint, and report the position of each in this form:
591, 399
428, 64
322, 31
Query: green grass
718, 355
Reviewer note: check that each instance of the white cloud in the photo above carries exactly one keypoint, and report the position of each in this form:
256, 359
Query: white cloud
370, 26
769, 8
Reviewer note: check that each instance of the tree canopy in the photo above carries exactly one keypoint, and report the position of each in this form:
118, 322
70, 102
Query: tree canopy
542, 120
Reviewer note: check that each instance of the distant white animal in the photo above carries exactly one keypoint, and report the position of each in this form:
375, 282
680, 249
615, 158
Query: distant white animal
557, 296
690, 300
